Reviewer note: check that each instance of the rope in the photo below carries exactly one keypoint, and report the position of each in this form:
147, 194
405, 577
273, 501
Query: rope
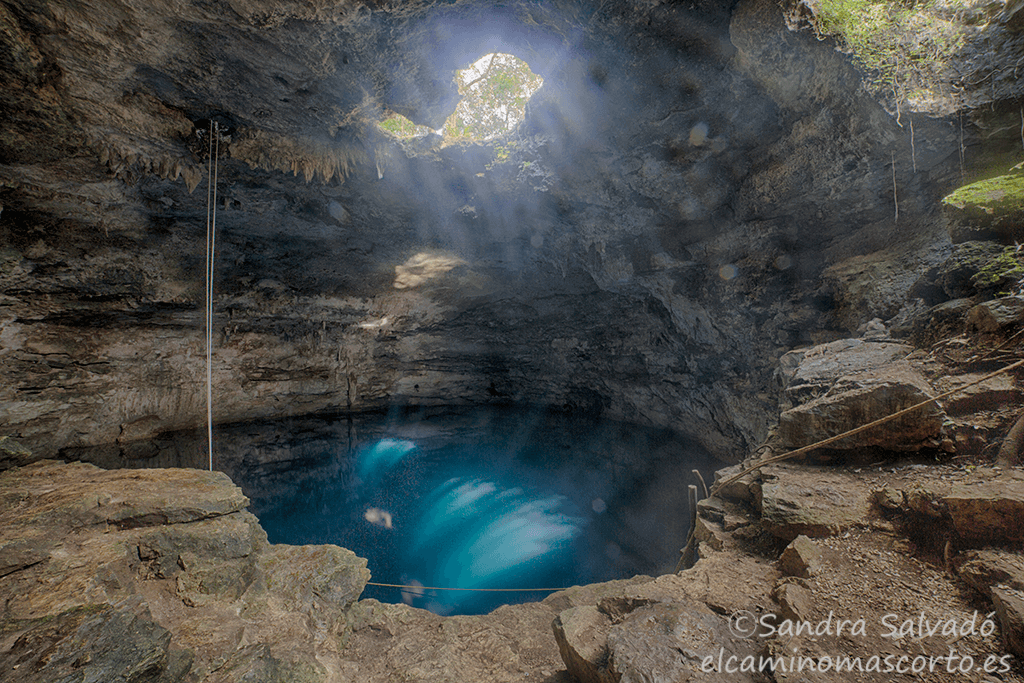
483, 590
211, 239
719, 485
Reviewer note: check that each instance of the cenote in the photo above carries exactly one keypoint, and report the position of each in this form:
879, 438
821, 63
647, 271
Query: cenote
485, 498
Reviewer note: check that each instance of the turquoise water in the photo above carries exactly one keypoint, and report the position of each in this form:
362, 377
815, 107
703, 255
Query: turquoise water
469, 499
491, 499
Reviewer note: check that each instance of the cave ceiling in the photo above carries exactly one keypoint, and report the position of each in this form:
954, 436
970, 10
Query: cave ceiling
658, 230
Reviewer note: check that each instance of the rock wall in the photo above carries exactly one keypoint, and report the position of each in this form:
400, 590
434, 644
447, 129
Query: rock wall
695, 190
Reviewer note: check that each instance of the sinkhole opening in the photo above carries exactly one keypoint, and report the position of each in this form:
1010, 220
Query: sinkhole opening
447, 502
493, 93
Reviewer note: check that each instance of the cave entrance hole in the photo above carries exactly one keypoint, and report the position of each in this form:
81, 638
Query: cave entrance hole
508, 497
493, 93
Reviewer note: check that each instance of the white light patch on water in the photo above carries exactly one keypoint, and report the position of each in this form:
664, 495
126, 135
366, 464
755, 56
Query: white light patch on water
505, 544
384, 455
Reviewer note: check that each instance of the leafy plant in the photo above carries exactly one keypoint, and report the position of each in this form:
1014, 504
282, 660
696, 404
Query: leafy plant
903, 46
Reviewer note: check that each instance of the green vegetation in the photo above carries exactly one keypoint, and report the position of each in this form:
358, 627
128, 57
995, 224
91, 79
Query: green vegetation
995, 197
494, 91
904, 46
1005, 269
401, 127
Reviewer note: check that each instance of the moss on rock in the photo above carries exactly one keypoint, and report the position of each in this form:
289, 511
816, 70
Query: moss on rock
994, 196
994, 205
1004, 271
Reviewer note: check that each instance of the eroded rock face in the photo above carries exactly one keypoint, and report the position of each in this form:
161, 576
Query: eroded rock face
646, 242
156, 575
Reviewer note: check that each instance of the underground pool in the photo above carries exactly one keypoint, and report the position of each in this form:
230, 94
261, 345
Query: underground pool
467, 509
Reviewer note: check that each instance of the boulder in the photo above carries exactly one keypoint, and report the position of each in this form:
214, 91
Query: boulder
800, 558
939, 321
992, 394
796, 602
807, 373
997, 314
989, 511
889, 498
812, 503
582, 637
955, 276
857, 400
984, 569
1009, 606
671, 642
993, 207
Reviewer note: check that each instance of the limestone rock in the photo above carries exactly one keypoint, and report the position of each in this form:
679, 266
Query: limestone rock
13, 454
796, 602
91, 642
130, 498
813, 503
669, 642
739, 490
984, 569
399, 643
1009, 605
993, 316
709, 533
322, 580
807, 373
216, 557
582, 636
889, 498
16, 555
993, 393
800, 558
939, 321
857, 400
724, 581
993, 206
257, 663
955, 275
155, 576
989, 511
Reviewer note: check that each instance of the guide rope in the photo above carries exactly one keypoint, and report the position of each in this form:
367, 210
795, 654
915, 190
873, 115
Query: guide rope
719, 485
211, 239
483, 590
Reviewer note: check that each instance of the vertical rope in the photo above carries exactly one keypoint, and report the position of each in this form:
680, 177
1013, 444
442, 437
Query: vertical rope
211, 238
895, 199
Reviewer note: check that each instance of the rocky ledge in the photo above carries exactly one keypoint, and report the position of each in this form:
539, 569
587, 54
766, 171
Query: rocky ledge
900, 548
160, 575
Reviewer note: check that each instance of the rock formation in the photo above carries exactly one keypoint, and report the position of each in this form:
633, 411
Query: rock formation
698, 190
607, 260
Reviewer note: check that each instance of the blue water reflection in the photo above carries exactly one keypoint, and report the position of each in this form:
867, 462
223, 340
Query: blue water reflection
477, 534
488, 499
381, 457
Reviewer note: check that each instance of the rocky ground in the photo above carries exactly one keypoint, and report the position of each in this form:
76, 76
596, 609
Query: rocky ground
901, 548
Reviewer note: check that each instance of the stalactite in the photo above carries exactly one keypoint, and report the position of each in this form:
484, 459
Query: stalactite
304, 157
